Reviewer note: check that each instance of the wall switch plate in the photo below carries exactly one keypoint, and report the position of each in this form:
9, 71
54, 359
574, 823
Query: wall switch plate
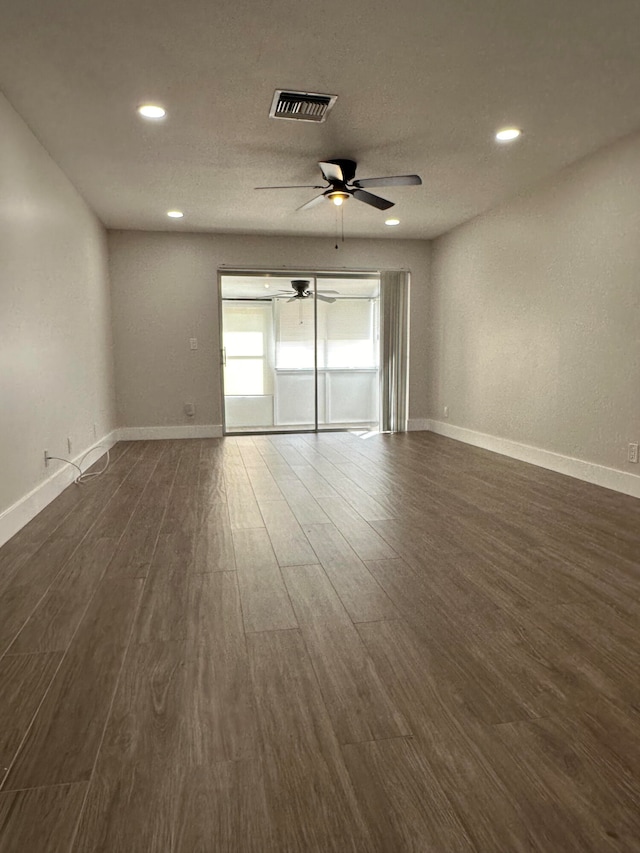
632, 455
193, 343
446, 411
190, 409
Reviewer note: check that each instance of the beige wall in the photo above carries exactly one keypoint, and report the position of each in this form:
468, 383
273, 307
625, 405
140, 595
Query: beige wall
535, 329
165, 291
55, 337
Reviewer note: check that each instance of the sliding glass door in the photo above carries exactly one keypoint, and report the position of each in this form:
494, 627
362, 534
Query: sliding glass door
300, 353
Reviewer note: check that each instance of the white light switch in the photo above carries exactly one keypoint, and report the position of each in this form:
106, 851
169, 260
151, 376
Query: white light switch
193, 343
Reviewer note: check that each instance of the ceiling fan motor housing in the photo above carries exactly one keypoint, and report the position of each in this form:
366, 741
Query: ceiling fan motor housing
300, 286
346, 167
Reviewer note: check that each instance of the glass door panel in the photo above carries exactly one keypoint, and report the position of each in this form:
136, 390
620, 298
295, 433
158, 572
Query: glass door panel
295, 362
247, 375
348, 344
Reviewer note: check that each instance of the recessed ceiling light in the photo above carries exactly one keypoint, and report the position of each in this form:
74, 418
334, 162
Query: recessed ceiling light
508, 134
152, 111
175, 214
392, 222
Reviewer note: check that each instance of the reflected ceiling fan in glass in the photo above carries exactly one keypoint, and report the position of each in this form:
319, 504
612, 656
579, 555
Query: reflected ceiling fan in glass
301, 288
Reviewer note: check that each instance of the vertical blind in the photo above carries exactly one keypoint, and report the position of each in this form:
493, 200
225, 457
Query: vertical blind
394, 301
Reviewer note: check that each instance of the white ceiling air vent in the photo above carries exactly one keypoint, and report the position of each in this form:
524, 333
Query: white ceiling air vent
301, 106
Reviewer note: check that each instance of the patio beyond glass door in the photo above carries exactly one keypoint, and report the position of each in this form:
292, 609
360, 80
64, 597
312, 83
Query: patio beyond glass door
295, 363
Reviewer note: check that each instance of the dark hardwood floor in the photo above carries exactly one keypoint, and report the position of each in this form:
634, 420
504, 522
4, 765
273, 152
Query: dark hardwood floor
322, 643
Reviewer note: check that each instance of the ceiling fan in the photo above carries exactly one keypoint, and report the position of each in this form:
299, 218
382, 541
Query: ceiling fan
301, 291
339, 175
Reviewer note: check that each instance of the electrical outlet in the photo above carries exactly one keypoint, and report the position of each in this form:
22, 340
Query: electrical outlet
632, 454
190, 409
193, 343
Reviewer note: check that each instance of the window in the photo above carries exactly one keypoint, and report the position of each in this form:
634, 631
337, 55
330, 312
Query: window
294, 334
245, 342
350, 335
347, 335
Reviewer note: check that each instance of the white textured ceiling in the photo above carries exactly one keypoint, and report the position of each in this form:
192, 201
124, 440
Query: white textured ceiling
422, 87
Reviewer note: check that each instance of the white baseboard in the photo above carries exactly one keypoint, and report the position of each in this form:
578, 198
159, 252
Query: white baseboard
417, 424
155, 432
590, 472
21, 512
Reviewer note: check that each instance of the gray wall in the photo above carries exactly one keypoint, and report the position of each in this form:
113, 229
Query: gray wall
56, 378
535, 331
165, 291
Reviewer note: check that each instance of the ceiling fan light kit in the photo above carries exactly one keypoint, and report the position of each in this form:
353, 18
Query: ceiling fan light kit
338, 196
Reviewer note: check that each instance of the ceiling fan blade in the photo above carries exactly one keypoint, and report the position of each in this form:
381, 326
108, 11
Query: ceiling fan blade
331, 172
312, 203
328, 291
373, 200
293, 187
325, 298
293, 299
391, 181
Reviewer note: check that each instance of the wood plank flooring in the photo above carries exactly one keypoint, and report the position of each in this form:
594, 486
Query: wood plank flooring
321, 643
